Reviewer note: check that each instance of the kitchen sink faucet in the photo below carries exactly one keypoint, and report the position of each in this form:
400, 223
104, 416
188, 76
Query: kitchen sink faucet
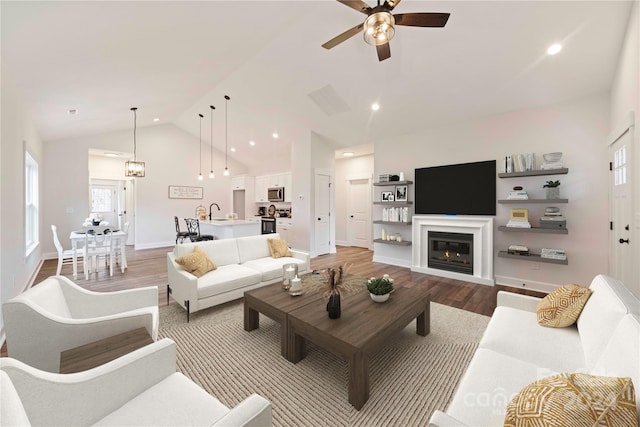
210, 206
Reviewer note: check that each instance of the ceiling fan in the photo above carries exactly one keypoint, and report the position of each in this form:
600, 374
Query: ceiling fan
379, 25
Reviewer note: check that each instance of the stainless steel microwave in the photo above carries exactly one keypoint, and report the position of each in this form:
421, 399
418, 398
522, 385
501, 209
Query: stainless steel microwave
275, 194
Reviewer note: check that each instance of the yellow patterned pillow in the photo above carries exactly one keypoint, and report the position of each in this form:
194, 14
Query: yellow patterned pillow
197, 262
562, 307
278, 248
574, 400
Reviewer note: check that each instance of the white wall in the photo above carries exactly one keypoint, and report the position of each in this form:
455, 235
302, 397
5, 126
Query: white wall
16, 270
625, 100
346, 169
322, 161
172, 158
576, 128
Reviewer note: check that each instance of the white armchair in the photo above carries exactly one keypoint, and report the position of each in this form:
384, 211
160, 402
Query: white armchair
57, 315
141, 388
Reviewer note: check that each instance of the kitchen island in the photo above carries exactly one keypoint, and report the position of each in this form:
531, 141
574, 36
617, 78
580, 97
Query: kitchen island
223, 228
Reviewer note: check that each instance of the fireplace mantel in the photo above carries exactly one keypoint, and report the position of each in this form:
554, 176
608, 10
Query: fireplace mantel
480, 226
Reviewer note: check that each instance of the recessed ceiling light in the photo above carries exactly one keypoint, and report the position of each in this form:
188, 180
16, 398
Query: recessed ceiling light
375, 106
348, 153
251, 143
157, 119
233, 149
275, 135
112, 154
554, 48
72, 112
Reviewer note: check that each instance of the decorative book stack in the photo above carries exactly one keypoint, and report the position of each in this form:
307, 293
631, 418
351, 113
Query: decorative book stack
552, 161
553, 254
519, 218
518, 250
553, 218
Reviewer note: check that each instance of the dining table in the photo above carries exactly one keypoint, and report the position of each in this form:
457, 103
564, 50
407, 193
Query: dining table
77, 238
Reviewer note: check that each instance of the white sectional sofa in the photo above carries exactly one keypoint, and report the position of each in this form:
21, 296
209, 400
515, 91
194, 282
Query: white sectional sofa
243, 263
141, 388
516, 351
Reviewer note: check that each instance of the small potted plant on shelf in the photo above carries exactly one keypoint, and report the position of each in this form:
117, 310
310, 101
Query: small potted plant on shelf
380, 287
553, 189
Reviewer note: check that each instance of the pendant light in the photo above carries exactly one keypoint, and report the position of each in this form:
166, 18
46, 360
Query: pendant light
211, 174
200, 176
226, 129
134, 168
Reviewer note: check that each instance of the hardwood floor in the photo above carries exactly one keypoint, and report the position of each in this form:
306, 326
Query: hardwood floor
148, 268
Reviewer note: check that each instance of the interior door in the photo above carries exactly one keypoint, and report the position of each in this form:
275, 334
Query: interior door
104, 200
322, 214
621, 208
359, 221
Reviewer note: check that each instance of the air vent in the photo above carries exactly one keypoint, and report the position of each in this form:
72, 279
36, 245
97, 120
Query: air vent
329, 101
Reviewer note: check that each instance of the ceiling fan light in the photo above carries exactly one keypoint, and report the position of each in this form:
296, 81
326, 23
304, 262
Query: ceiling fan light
379, 28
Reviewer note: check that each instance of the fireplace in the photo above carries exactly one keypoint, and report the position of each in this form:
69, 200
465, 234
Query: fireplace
451, 251
480, 252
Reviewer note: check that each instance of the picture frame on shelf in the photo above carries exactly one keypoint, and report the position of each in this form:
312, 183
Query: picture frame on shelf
401, 193
387, 196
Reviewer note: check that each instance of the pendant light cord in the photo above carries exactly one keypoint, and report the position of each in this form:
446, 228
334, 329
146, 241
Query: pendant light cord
226, 130
201, 116
212, 108
135, 120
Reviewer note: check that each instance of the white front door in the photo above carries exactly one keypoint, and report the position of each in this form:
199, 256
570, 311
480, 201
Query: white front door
359, 220
621, 243
104, 200
322, 214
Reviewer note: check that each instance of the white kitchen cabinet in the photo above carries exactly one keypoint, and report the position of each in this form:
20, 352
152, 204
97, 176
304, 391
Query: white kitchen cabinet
288, 188
284, 228
239, 182
262, 184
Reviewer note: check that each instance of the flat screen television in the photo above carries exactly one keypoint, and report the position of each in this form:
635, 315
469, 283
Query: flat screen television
462, 189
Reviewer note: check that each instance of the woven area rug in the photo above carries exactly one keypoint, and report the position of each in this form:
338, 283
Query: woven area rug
409, 378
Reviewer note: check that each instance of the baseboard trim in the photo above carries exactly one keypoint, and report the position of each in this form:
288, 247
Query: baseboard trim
519, 283
392, 261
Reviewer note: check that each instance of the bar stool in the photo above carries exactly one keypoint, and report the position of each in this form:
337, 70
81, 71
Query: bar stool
193, 226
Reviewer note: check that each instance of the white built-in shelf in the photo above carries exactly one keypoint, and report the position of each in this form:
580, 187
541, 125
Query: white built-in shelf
527, 201
562, 171
393, 242
392, 222
534, 230
533, 258
384, 184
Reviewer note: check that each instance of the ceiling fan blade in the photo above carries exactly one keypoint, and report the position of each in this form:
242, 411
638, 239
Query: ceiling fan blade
343, 37
390, 4
422, 19
358, 5
384, 51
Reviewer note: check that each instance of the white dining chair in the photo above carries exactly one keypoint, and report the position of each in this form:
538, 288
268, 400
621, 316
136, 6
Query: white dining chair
65, 256
98, 242
121, 247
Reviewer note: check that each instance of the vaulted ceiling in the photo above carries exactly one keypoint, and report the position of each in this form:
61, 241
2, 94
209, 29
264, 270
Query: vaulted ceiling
173, 60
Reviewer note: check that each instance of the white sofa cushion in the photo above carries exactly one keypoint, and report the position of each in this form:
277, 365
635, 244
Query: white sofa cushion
174, 401
516, 333
620, 356
221, 252
12, 412
255, 247
605, 308
225, 279
271, 268
488, 385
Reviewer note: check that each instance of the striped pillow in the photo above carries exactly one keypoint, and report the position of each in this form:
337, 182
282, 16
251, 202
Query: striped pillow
562, 307
569, 399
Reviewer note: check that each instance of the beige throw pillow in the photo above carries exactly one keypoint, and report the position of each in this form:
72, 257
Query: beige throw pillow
278, 248
197, 262
562, 307
574, 400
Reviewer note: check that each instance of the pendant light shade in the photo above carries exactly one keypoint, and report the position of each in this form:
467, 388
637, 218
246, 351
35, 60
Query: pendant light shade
134, 168
226, 132
211, 174
200, 175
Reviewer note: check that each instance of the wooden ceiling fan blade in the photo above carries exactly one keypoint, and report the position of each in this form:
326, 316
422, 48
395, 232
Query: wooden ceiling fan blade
343, 37
358, 5
422, 19
390, 4
384, 51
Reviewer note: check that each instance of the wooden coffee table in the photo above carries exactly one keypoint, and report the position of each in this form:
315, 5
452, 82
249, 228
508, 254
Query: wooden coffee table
362, 329
275, 303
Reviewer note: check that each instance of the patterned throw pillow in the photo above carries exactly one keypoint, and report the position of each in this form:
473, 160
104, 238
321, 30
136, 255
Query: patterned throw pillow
197, 262
574, 400
278, 248
562, 307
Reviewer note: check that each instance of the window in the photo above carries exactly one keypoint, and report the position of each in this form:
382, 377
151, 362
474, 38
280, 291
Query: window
31, 216
620, 166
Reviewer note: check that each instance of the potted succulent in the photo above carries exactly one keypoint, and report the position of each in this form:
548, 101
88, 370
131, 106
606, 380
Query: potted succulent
553, 189
380, 287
